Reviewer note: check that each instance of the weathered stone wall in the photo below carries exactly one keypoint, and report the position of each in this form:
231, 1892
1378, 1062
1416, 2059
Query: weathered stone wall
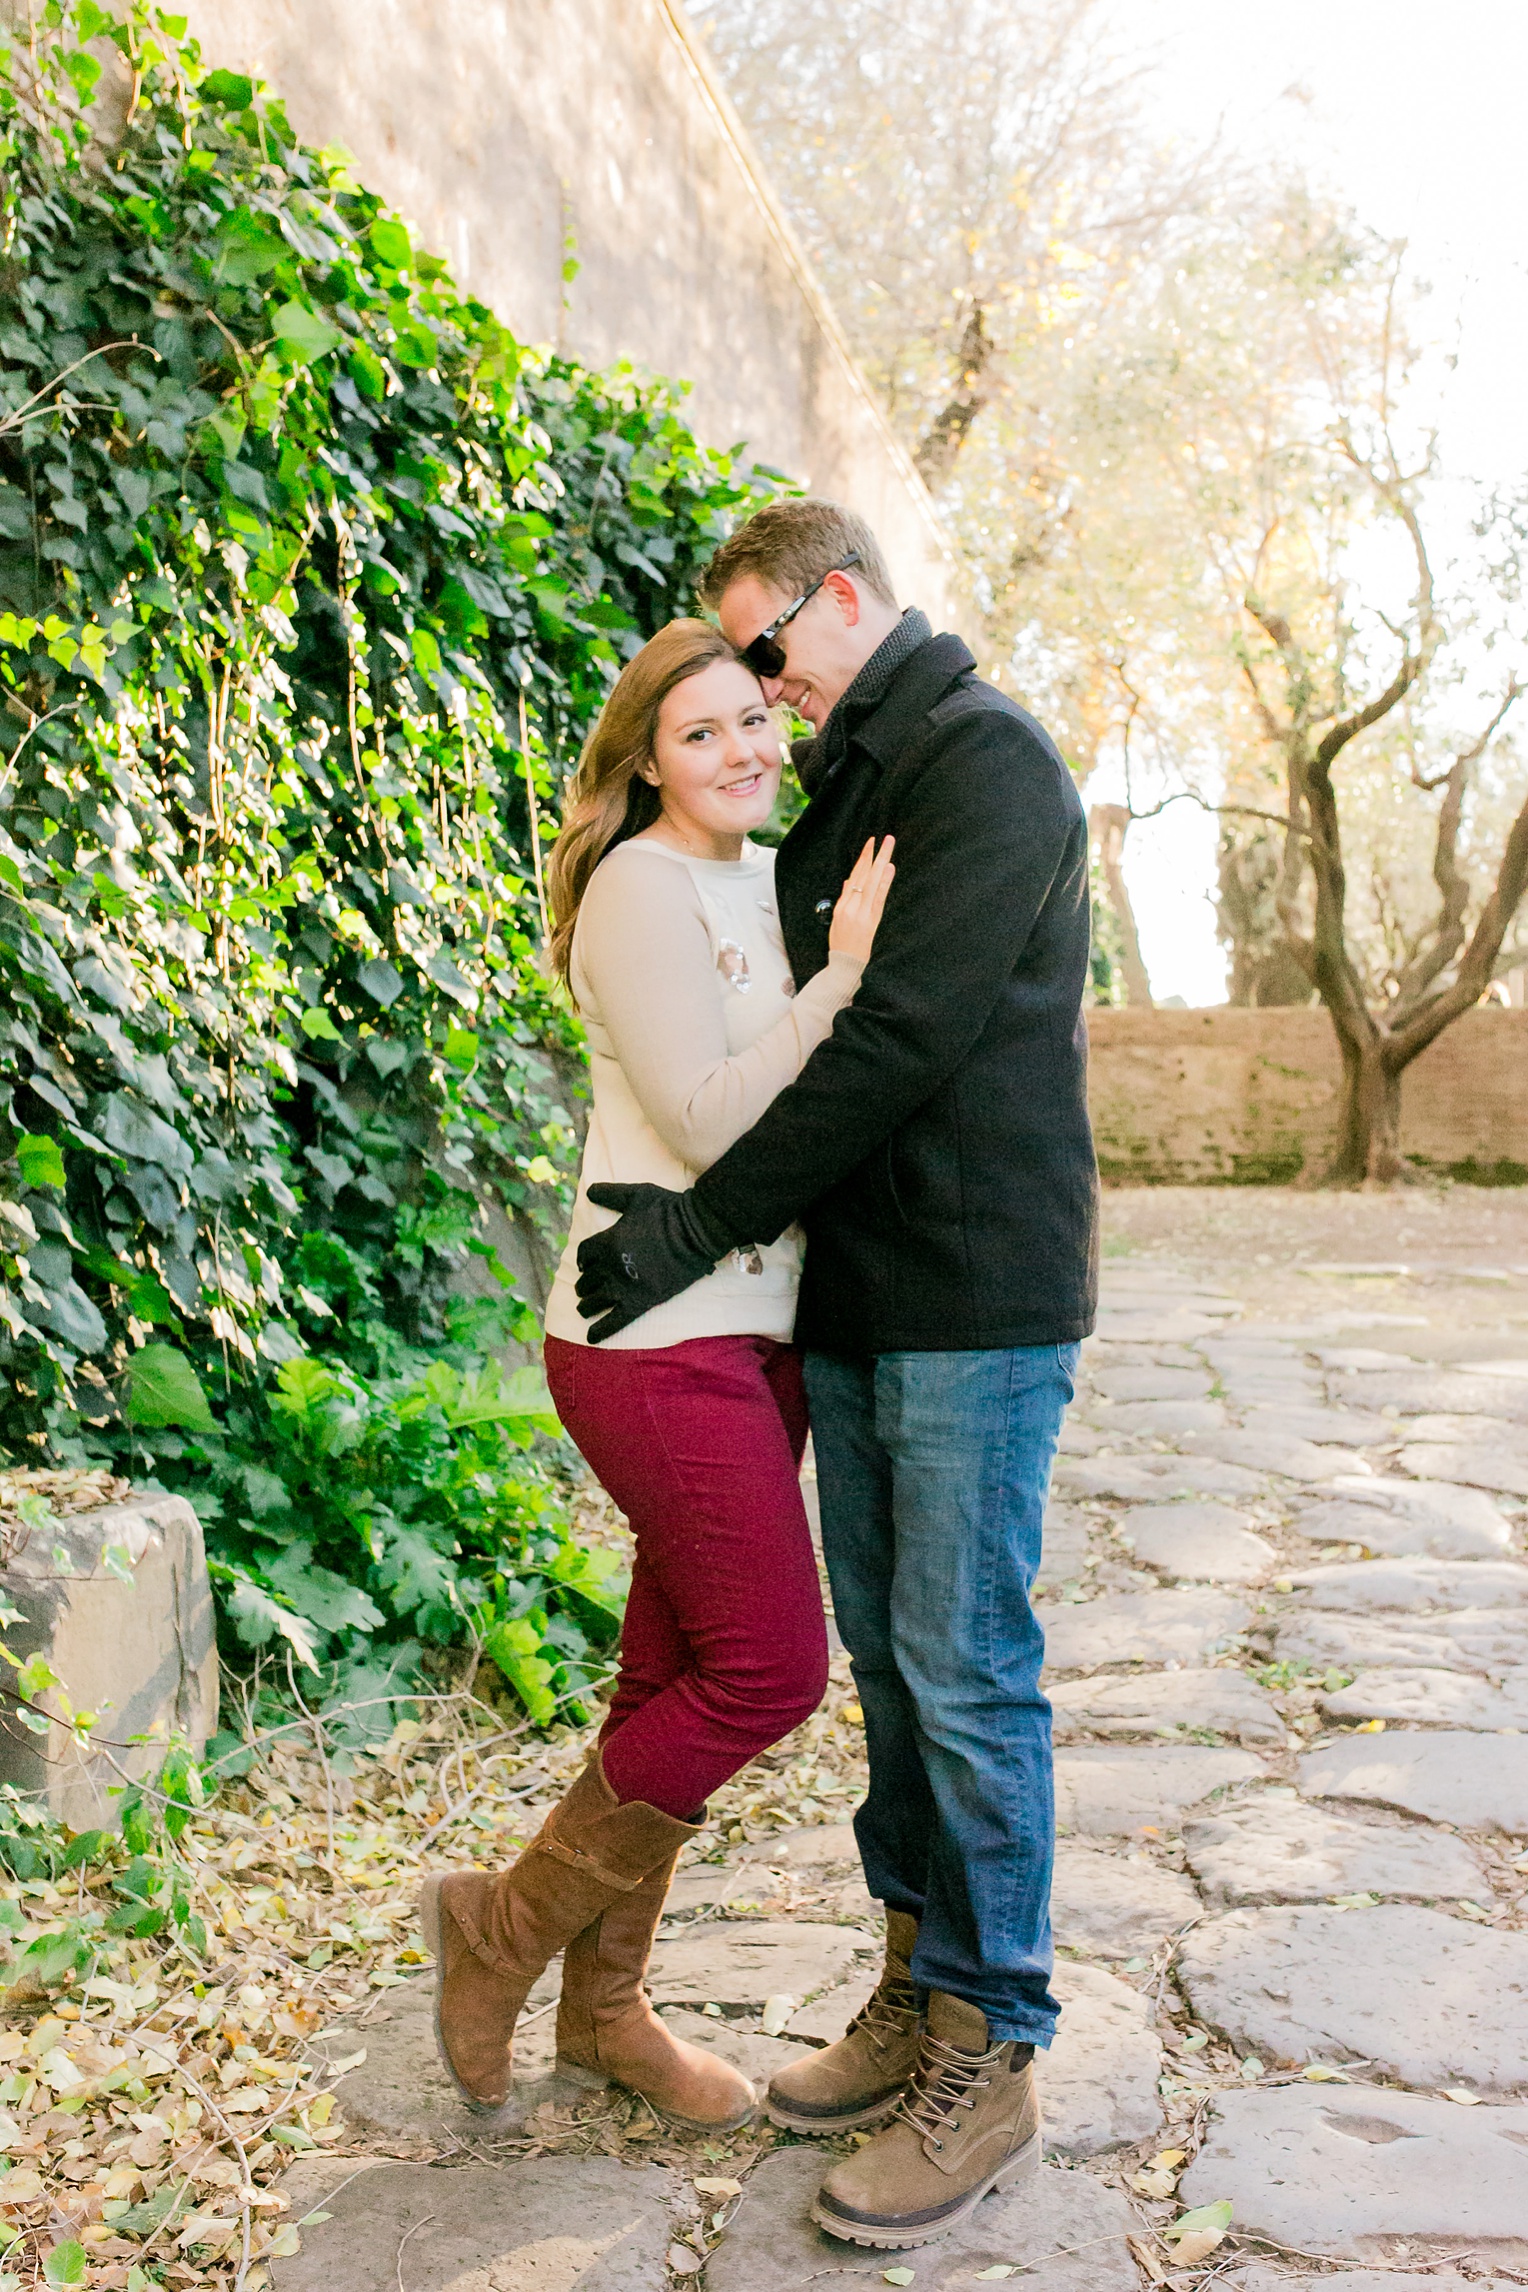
1249, 1097
515, 132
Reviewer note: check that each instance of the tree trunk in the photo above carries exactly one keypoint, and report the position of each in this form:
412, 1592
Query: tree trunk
1110, 823
1369, 1116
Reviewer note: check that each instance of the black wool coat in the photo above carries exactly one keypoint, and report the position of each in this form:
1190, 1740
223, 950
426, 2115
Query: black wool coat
936, 1147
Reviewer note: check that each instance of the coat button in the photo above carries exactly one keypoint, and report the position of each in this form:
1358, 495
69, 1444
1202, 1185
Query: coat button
824, 907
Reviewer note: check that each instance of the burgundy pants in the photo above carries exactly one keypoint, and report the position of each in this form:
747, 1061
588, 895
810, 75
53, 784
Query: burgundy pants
724, 1648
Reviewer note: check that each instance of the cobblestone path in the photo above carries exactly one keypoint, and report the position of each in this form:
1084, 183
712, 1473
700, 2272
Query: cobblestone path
1287, 1615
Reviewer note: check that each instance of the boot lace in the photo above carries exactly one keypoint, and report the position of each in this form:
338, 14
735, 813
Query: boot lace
883, 2016
945, 2082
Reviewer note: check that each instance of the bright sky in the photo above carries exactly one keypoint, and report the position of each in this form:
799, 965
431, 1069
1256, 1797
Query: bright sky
1416, 114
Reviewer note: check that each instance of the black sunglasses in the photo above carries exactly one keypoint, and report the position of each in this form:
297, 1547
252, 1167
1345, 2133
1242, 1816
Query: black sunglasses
763, 655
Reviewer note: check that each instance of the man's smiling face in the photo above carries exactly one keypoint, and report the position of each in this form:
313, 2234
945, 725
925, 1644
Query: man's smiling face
825, 646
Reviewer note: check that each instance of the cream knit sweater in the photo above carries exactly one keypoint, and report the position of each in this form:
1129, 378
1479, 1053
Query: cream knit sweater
680, 976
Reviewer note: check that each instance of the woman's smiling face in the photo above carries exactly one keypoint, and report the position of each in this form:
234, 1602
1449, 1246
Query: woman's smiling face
716, 758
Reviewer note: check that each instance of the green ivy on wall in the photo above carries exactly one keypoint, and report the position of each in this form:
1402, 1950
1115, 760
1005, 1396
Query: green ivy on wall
308, 570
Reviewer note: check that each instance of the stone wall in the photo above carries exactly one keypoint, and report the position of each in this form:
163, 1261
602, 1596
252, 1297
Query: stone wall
1249, 1097
515, 132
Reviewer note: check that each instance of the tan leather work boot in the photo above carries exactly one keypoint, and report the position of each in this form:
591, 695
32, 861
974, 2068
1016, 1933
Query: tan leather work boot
856, 2080
969, 2123
607, 2029
491, 1936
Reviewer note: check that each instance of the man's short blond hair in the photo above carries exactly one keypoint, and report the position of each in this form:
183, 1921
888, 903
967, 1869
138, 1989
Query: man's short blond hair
789, 545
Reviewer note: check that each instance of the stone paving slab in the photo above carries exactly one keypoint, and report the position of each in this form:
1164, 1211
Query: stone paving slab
1496, 1432
1270, 1451
1162, 1420
398, 2097
1489, 1640
1433, 1699
1275, 1849
1314, 1421
1148, 1479
1064, 2229
1443, 1499
1426, 1392
1098, 2080
1358, 2174
1064, 1547
1400, 1532
741, 1965
757, 2056
1467, 1461
1117, 1905
543, 2224
1423, 1587
1412, 1993
1115, 1792
1168, 1703
1261, 2279
1479, 1782
1205, 1543
1151, 1384
1143, 1627
811, 1846
827, 2017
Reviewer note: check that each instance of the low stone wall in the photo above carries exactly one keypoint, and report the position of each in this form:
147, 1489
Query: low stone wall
1224, 1097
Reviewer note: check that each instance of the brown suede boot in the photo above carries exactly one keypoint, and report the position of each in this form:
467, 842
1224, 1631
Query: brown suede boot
607, 2029
492, 1936
856, 2080
968, 2124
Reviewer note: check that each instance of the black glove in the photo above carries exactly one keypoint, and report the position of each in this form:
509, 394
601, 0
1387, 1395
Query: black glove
658, 1246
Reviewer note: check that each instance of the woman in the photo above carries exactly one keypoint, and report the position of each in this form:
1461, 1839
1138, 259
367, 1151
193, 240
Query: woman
693, 1417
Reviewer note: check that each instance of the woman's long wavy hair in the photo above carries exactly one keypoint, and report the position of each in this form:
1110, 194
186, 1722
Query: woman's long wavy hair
608, 800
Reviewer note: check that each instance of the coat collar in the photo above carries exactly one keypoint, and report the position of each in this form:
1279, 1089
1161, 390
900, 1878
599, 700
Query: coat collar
917, 685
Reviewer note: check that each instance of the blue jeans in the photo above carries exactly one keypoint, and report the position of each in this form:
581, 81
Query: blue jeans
933, 1470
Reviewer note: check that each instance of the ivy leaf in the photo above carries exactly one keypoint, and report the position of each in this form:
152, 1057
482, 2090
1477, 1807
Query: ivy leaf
40, 1161
304, 334
319, 1027
381, 981
164, 1390
230, 89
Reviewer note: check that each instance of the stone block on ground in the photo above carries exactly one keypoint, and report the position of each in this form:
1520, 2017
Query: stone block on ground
137, 1647
1411, 1993
1269, 1451
827, 2017
757, 2056
1416, 1587
1313, 1421
1065, 2230
1154, 1478
712, 1886
1162, 1420
530, 2224
1428, 1391
398, 2098
1152, 1384
1433, 1699
1168, 1703
1116, 1905
1098, 2080
1472, 1463
1489, 1640
1205, 1543
1267, 2279
1496, 1432
812, 1846
1115, 1792
1366, 2175
1479, 1782
1143, 1627
1399, 1532
1063, 1547
1276, 1849
742, 1965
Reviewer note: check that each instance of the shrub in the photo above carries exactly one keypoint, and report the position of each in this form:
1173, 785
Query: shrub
309, 573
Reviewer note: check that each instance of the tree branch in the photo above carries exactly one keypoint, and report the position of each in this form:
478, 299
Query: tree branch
1479, 961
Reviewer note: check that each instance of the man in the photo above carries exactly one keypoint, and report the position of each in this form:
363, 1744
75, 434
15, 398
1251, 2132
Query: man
936, 1149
